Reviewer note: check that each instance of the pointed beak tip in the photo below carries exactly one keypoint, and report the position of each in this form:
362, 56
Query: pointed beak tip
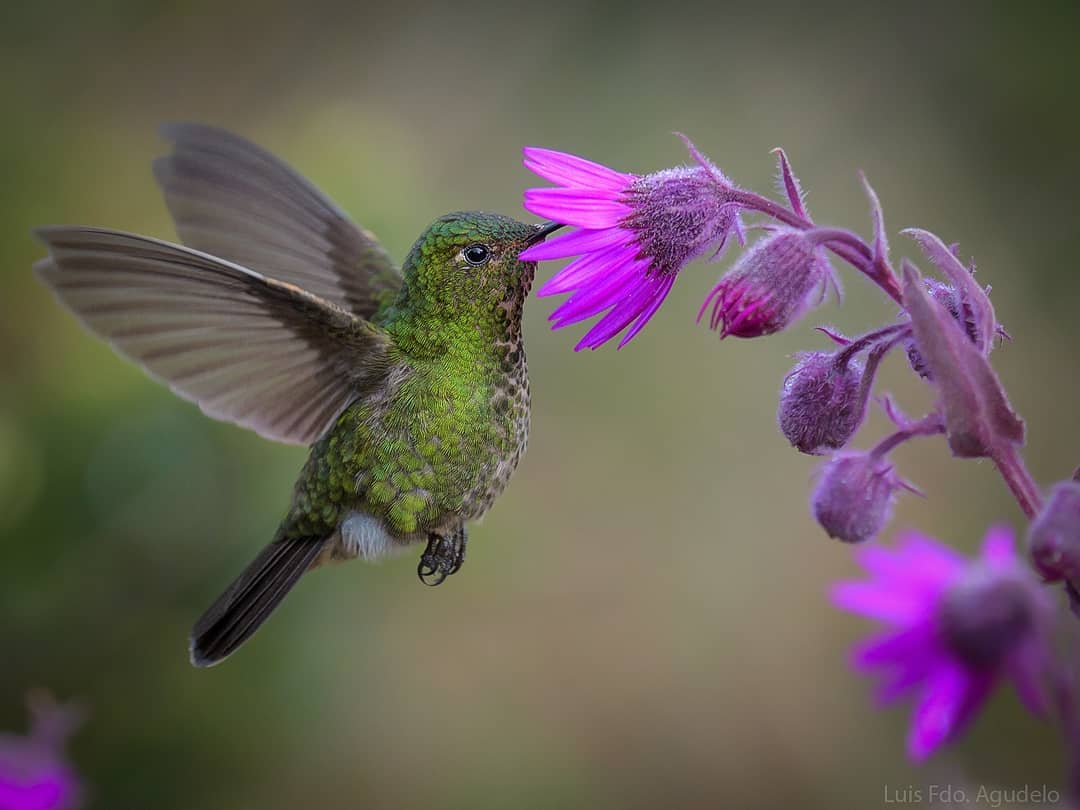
543, 231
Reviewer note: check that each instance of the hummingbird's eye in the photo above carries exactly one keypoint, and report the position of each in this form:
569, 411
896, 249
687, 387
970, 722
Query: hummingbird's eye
476, 255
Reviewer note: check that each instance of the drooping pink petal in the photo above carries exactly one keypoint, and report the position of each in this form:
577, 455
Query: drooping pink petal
903, 646
936, 717
571, 170
1026, 669
998, 550
649, 311
903, 678
587, 270
585, 209
895, 606
584, 240
595, 299
622, 314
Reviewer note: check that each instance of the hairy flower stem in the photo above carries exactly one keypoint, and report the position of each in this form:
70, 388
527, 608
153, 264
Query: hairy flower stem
898, 331
929, 425
1023, 487
845, 244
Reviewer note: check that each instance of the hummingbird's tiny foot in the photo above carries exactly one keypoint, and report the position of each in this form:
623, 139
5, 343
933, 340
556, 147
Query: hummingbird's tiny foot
443, 556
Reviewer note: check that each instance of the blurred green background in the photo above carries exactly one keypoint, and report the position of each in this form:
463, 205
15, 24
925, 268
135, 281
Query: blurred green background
642, 621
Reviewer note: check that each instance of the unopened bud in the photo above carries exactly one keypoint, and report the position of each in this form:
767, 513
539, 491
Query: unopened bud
820, 403
854, 496
1054, 535
770, 287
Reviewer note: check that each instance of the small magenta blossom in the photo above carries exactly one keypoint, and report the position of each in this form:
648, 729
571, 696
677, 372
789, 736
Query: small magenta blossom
635, 234
955, 628
34, 772
771, 285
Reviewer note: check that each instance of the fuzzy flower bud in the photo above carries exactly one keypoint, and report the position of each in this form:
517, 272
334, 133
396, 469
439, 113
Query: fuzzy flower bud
1054, 535
948, 297
771, 285
854, 497
821, 405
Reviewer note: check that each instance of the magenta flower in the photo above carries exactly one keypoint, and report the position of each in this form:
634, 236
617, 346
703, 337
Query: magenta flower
955, 628
34, 773
771, 285
635, 234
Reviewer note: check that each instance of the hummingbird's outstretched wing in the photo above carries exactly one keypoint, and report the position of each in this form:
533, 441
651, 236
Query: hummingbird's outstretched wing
232, 199
247, 349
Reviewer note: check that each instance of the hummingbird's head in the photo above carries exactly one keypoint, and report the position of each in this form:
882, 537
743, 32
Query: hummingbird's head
466, 265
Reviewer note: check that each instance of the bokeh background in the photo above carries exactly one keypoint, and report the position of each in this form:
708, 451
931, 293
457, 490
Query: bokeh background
642, 621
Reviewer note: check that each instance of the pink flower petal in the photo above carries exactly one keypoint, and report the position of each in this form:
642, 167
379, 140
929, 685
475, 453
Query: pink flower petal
577, 242
944, 703
903, 647
573, 207
571, 170
645, 316
620, 316
998, 549
1026, 671
586, 270
895, 606
604, 294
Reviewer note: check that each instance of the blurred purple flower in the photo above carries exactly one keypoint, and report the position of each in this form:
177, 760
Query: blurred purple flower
636, 233
34, 772
955, 628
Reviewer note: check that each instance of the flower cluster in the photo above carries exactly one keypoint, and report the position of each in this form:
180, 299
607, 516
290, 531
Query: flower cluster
956, 627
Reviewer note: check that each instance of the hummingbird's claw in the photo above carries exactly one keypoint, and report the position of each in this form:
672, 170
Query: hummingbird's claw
443, 556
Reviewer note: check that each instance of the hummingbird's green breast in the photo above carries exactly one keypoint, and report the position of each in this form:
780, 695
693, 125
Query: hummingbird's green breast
436, 443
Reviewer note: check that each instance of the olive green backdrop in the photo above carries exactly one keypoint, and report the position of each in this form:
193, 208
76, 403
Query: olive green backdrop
642, 621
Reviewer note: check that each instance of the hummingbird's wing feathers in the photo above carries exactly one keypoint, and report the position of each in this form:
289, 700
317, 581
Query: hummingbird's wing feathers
247, 349
233, 199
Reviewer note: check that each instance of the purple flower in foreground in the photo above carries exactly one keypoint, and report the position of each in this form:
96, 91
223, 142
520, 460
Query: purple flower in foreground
635, 233
955, 628
34, 773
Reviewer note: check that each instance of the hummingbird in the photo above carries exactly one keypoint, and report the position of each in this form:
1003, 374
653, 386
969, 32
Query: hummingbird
279, 314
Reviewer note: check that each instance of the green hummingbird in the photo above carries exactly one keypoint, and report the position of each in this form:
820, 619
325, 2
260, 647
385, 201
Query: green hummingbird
281, 315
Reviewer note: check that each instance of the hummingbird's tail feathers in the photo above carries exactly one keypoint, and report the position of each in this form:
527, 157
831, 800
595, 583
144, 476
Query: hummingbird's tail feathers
248, 349
233, 199
251, 598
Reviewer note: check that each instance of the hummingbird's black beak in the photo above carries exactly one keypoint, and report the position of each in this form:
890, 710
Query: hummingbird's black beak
543, 231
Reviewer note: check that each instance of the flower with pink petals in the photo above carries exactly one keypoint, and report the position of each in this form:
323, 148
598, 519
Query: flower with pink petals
771, 285
955, 628
635, 234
